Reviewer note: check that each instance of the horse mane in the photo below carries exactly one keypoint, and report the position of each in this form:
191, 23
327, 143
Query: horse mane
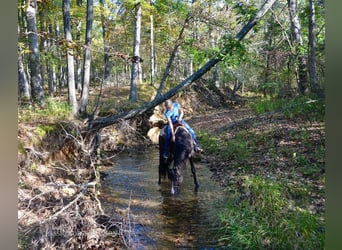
183, 146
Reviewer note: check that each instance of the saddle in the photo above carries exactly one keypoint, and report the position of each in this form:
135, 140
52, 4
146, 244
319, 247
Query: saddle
176, 126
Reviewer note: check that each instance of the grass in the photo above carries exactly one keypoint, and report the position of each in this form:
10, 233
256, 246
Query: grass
269, 202
259, 215
54, 110
309, 107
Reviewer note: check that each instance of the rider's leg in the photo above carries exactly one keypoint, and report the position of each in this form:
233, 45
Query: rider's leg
193, 135
165, 154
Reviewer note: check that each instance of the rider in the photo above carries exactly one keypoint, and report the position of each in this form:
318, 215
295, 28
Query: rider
174, 114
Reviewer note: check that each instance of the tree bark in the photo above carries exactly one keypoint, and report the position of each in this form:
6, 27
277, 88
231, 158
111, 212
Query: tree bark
133, 96
37, 91
315, 88
102, 122
107, 64
78, 75
42, 44
70, 57
152, 61
24, 86
297, 38
87, 58
50, 66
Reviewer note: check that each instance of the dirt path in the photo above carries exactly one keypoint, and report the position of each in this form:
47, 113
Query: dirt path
279, 148
215, 119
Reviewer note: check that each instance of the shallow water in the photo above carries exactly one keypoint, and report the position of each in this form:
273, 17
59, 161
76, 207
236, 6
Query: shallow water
158, 219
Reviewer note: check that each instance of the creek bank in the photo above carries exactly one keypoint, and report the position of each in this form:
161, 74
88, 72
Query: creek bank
275, 147
58, 203
55, 179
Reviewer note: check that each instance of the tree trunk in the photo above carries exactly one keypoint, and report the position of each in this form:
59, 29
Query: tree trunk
87, 58
153, 71
312, 46
37, 91
105, 34
297, 38
133, 96
59, 58
50, 66
102, 122
42, 43
78, 75
24, 86
70, 57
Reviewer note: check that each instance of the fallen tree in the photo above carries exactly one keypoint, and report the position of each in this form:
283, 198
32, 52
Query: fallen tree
101, 122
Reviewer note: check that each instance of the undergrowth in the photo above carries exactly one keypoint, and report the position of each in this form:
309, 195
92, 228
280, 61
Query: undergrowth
275, 173
258, 215
310, 107
54, 110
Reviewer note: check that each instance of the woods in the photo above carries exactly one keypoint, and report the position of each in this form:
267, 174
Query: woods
92, 74
181, 40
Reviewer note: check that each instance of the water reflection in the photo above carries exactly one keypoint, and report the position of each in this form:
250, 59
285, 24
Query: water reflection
161, 220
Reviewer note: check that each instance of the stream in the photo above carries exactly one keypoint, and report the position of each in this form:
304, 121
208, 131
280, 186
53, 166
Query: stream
159, 220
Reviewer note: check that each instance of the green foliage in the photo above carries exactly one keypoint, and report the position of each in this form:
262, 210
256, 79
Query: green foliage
238, 148
54, 110
268, 88
245, 11
260, 216
309, 107
44, 129
236, 49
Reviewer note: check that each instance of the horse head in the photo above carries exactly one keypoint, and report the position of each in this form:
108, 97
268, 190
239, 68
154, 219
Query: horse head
183, 150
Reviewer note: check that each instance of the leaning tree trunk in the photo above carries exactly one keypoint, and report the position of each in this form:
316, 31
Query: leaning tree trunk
133, 96
37, 91
102, 122
87, 58
172, 55
70, 57
297, 38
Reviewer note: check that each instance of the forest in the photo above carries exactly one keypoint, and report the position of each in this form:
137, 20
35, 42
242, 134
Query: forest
92, 79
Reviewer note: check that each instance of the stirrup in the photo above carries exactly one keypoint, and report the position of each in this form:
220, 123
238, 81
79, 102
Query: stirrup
198, 149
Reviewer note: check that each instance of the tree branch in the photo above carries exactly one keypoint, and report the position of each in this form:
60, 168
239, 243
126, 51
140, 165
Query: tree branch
102, 122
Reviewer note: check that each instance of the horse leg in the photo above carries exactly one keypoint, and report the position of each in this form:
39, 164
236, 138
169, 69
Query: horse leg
161, 170
173, 182
193, 170
159, 177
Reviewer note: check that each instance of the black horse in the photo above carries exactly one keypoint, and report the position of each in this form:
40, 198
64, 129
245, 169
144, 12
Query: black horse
180, 151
